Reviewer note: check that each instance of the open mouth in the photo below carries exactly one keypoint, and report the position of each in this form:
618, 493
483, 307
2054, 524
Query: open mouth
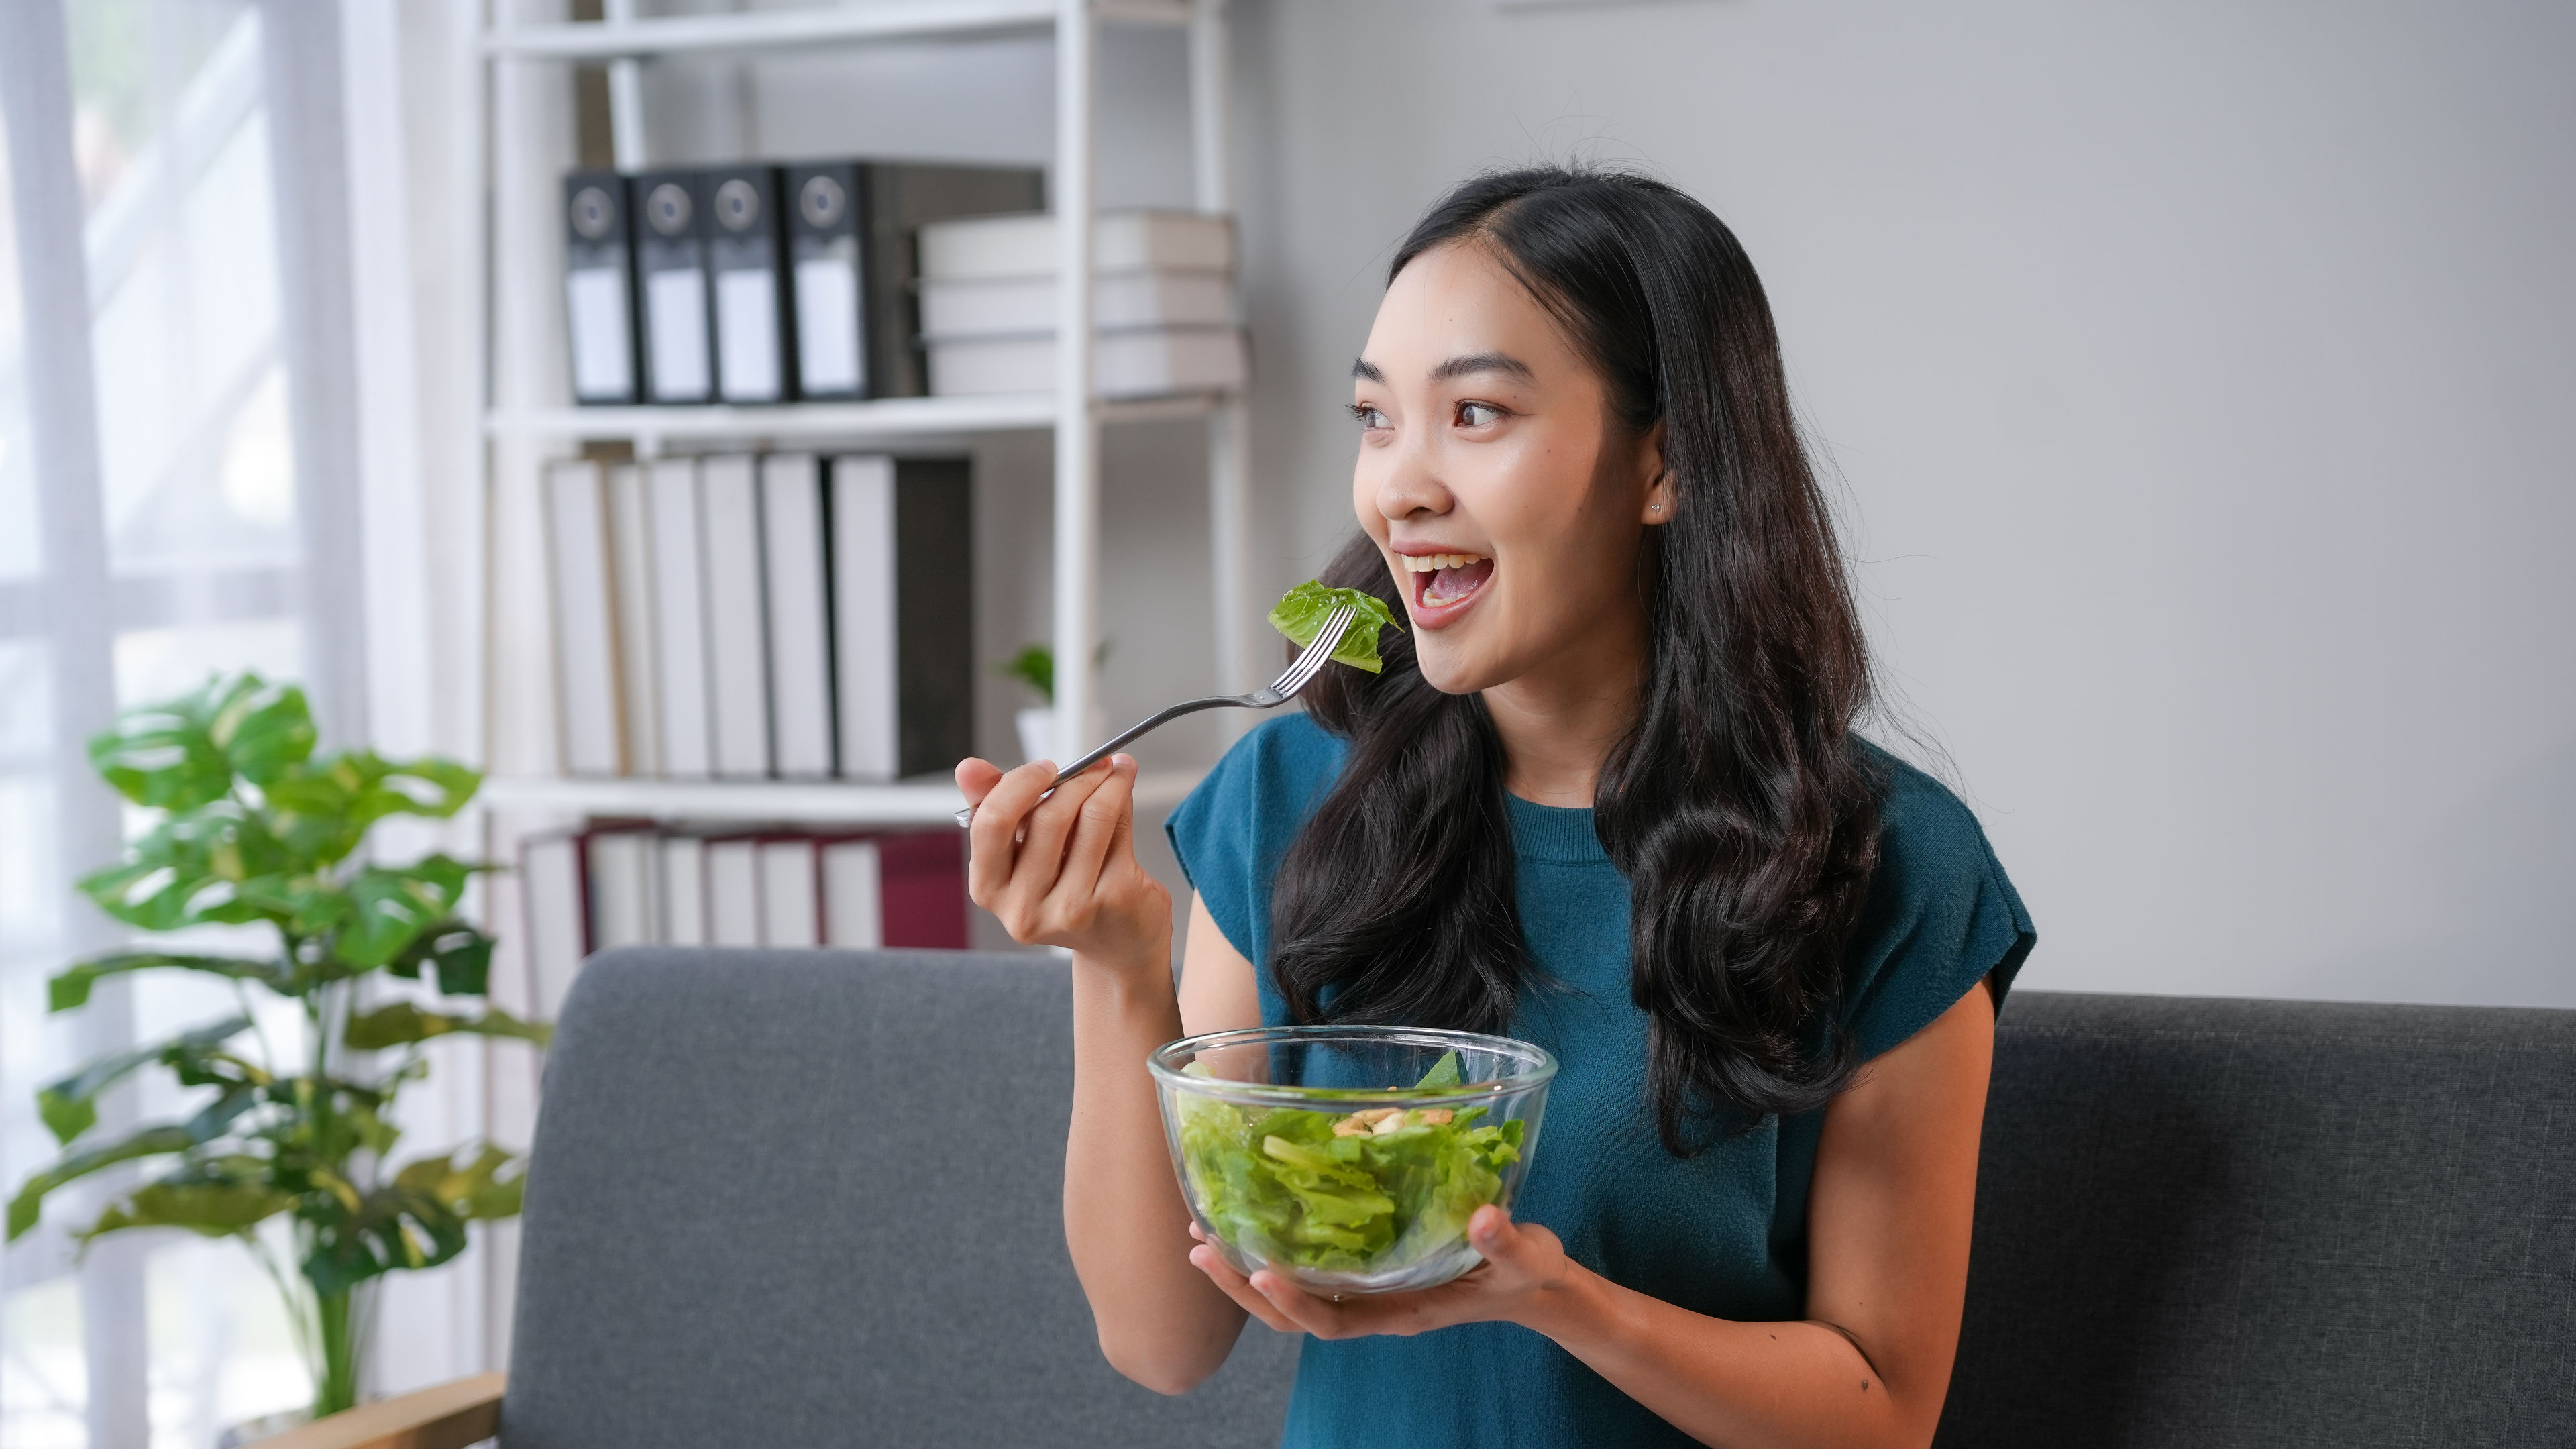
1443, 581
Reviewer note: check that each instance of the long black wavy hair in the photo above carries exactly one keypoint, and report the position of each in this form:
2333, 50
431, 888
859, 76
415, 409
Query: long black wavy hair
1739, 804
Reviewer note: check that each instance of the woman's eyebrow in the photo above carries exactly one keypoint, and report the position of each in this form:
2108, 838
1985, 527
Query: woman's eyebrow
1459, 366
1504, 363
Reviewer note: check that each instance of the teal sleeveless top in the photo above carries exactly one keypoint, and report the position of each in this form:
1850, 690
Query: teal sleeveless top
1722, 1233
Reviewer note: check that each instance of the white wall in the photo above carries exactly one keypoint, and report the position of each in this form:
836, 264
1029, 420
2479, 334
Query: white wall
2198, 378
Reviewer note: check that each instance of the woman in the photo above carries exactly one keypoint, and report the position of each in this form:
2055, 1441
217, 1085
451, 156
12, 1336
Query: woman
1607, 797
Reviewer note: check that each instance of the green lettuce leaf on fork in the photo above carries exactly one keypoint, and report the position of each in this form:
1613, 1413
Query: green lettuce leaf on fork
1300, 612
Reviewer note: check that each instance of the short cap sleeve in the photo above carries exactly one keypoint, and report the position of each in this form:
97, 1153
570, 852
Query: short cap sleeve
1231, 831
1941, 916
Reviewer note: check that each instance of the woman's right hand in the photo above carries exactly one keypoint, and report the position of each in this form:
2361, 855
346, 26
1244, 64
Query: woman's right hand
1062, 871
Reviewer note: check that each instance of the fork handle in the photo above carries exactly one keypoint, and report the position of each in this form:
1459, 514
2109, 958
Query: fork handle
1143, 727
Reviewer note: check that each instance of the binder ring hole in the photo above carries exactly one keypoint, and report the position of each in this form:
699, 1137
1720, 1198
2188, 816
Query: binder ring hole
669, 208
820, 201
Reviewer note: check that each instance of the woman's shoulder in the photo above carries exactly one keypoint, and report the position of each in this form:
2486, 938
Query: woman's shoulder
1230, 831
1282, 764
1924, 828
1941, 915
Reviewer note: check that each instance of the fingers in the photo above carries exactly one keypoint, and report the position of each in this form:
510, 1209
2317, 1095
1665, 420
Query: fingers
975, 779
1043, 832
997, 825
1095, 834
1307, 1313
1233, 1284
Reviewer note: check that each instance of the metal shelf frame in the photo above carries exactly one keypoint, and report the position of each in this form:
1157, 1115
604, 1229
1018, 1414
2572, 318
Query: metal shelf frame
525, 412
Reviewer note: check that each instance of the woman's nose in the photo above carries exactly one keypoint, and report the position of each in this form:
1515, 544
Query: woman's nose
1410, 486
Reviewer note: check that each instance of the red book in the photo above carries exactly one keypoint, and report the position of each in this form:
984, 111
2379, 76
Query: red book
924, 885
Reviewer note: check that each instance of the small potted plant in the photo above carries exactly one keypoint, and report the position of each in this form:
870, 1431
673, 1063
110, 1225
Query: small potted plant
254, 830
1034, 666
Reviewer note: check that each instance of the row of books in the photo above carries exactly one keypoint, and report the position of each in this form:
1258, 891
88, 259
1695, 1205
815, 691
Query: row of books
757, 283
637, 883
847, 280
759, 616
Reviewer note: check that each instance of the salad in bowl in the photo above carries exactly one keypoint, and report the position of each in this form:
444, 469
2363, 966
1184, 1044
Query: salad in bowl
1348, 1159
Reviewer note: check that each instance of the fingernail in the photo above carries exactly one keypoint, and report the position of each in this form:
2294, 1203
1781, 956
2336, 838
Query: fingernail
1122, 762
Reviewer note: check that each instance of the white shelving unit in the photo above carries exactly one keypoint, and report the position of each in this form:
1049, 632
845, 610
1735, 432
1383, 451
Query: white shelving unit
527, 415
777, 800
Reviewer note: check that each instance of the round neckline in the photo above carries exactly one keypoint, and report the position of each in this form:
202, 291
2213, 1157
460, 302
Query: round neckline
1561, 833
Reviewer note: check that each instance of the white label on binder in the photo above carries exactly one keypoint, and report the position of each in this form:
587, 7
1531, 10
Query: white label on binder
747, 335
677, 307
827, 325
602, 361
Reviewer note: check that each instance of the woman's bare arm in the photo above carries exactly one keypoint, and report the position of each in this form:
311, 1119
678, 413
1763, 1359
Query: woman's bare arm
1063, 872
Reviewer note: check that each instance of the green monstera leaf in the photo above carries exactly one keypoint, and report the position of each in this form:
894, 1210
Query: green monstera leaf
402, 1023
70, 1107
187, 752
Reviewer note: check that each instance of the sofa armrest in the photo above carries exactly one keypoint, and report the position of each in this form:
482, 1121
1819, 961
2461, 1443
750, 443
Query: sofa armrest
447, 1416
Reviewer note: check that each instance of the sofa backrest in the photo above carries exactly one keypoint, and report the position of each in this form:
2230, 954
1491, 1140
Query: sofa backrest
793, 1198
2212, 1223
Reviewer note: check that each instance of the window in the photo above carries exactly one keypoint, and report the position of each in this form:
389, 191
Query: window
179, 473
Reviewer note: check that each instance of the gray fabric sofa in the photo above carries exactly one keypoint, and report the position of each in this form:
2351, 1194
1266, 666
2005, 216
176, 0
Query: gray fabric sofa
811, 1198
2216, 1223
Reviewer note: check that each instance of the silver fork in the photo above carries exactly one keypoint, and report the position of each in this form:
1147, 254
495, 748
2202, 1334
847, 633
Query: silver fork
1300, 672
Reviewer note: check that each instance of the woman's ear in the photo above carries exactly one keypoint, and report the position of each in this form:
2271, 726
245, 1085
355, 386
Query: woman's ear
1661, 497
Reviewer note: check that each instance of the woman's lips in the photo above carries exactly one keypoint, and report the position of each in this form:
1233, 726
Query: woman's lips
1445, 584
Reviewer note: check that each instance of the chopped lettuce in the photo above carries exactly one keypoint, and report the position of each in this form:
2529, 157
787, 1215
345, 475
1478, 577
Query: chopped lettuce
1300, 612
1345, 1192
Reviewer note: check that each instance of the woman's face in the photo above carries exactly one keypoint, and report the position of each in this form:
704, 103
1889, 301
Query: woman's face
1509, 502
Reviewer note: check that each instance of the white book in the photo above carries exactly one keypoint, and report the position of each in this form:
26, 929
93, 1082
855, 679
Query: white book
866, 621
630, 536
1153, 362
679, 608
733, 891
550, 890
586, 684
684, 890
800, 645
1022, 306
1023, 245
737, 634
853, 895
791, 906
624, 870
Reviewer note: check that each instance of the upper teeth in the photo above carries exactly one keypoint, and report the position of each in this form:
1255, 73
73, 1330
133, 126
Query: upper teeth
1423, 563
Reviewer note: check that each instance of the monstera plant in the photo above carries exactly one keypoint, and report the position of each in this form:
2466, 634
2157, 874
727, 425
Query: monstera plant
255, 830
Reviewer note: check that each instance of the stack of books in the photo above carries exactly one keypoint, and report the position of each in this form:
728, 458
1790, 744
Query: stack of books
631, 883
1162, 305
763, 616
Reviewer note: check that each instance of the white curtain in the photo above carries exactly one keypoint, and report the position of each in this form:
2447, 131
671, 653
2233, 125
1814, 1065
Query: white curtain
180, 493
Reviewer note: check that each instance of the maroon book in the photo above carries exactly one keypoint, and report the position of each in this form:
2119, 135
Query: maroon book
924, 889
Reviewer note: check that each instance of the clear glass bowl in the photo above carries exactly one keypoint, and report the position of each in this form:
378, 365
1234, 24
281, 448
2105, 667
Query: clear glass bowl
1347, 1159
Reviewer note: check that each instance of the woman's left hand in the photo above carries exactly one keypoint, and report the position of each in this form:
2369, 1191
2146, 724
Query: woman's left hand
1525, 1266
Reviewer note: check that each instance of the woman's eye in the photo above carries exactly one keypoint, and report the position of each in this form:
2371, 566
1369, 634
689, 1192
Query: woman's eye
1369, 417
1477, 415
